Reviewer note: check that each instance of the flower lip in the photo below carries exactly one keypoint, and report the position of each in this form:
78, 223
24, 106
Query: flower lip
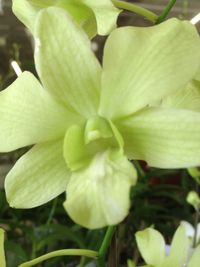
82, 143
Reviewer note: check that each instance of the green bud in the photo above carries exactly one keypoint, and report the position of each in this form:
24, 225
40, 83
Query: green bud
193, 199
195, 173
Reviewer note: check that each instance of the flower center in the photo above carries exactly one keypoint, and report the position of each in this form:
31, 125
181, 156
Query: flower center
82, 143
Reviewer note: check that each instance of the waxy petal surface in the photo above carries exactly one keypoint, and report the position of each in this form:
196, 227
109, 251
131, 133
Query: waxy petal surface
38, 176
164, 138
97, 16
27, 11
30, 115
65, 63
106, 14
195, 258
98, 195
187, 98
152, 246
143, 65
179, 249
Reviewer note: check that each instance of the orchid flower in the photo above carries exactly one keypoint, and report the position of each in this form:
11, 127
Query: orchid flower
151, 245
88, 121
97, 16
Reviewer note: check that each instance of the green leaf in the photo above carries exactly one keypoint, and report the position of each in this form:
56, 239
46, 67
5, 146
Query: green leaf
195, 258
98, 195
38, 176
144, 65
187, 98
30, 115
179, 249
2, 253
164, 138
27, 11
152, 246
65, 63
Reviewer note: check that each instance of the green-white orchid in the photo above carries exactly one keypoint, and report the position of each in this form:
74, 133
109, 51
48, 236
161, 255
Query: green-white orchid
97, 16
151, 245
87, 121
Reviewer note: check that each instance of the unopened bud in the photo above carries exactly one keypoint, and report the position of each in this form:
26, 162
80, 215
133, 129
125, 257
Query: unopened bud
193, 199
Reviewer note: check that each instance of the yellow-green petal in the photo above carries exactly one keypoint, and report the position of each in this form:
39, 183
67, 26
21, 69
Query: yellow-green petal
65, 63
30, 115
195, 258
37, 177
27, 11
106, 14
144, 64
186, 98
98, 195
2, 253
151, 245
163, 137
179, 249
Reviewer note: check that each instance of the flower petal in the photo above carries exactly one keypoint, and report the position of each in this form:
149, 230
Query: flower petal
187, 98
2, 253
30, 115
195, 258
98, 195
27, 11
179, 249
65, 63
143, 65
151, 245
106, 14
165, 138
189, 229
37, 177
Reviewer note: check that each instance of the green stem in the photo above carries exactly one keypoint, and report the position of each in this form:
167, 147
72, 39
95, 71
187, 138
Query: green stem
105, 245
63, 252
166, 11
51, 214
136, 9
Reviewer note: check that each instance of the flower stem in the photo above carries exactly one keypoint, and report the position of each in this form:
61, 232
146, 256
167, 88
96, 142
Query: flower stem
62, 252
105, 245
136, 9
166, 11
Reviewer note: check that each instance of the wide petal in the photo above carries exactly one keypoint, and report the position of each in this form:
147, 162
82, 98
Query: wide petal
164, 138
186, 98
106, 14
27, 11
65, 63
151, 245
30, 115
37, 177
143, 65
195, 258
179, 249
98, 195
